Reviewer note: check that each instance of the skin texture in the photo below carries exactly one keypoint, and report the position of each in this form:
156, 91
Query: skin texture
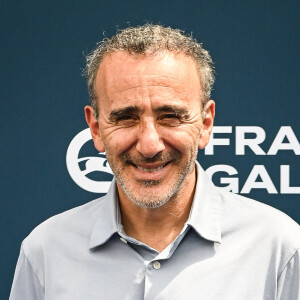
150, 126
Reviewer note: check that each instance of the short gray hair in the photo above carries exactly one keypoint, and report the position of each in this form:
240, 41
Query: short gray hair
149, 39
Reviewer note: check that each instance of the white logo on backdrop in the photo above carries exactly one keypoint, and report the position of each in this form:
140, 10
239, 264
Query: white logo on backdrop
92, 164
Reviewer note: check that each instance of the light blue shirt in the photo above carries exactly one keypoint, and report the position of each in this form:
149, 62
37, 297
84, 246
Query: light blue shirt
230, 248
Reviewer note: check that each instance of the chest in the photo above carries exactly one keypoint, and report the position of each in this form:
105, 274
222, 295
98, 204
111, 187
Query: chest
196, 270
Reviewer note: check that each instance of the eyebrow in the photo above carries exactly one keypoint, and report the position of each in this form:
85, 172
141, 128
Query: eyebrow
172, 109
129, 110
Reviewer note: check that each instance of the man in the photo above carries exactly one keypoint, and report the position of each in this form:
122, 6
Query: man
163, 231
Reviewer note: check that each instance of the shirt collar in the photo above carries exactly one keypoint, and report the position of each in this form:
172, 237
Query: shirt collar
108, 219
204, 215
205, 212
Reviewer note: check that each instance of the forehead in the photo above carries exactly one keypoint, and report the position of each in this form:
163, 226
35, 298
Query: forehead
173, 74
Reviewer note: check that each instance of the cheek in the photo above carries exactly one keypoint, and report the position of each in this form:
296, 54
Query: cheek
181, 138
120, 140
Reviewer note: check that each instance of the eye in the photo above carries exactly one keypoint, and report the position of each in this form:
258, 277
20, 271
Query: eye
170, 119
126, 120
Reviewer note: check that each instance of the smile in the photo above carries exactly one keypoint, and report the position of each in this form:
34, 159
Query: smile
150, 168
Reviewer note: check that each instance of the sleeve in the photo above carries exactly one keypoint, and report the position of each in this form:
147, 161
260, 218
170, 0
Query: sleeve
26, 285
289, 281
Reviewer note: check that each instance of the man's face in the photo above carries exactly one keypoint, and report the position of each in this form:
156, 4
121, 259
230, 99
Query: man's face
150, 123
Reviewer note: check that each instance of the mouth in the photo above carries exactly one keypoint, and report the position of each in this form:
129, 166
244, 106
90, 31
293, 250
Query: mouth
150, 168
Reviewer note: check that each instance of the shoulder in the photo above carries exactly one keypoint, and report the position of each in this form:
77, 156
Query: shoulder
63, 228
259, 219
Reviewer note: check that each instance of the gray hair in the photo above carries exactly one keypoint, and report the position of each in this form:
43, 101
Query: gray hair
150, 39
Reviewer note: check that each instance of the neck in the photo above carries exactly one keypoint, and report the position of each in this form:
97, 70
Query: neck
158, 227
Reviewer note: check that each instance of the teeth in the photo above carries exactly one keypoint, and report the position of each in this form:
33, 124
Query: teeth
150, 169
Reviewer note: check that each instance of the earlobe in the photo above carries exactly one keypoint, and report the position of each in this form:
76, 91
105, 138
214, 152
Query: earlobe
94, 127
203, 141
207, 124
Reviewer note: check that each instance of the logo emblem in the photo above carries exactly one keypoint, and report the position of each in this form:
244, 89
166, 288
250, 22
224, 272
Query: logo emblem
88, 165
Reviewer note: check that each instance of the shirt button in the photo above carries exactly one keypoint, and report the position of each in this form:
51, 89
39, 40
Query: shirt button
156, 265
123, 240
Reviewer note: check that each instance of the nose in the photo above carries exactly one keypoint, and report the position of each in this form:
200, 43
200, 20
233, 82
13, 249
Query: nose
149, 141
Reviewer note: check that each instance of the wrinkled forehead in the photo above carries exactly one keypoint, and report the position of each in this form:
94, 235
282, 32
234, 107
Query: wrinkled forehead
120, 71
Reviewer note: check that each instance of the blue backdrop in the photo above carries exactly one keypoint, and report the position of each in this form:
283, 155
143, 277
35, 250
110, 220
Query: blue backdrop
255, 46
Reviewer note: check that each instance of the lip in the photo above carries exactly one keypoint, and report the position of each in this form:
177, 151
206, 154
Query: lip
153, 171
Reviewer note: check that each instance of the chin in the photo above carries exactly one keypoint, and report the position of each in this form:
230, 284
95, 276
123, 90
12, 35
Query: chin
151, 195
149, 202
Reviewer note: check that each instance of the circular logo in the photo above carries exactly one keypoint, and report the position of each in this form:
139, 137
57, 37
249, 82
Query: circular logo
91, 164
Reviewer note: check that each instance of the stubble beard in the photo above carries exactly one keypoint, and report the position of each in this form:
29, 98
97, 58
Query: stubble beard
149, 197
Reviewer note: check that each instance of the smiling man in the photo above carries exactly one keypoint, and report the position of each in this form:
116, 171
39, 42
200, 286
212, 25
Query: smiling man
163, 231
149, 122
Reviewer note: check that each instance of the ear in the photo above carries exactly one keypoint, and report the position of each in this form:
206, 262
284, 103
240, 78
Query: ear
207, 124
94, 127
